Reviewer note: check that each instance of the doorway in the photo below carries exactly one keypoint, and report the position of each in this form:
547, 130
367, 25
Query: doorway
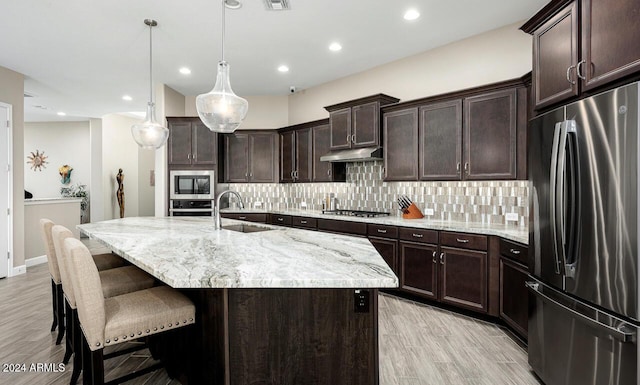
6, 189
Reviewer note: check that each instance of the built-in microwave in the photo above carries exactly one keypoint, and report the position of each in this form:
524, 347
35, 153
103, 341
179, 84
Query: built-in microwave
192, 184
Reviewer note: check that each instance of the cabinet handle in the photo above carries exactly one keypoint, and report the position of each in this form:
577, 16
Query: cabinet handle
195, 157
462, 240
348, 139
242, 217
458, 168
329, 172
250, 175
579, 69
569, 74
303, 222
434, 256
280, 219
353, 138
188, 156
417, 235
466, 167
442, 258
296, 174
382, 231
514, 251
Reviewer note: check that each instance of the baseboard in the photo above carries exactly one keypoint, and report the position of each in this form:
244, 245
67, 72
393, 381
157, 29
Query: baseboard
18, 270
35, 261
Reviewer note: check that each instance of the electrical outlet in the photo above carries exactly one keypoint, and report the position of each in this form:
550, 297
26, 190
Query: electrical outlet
511, 217
361, 298
257, 204
428, 211
303, 205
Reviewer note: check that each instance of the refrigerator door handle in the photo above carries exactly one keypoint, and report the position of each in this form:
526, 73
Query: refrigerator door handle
622, 333
553, 198
567, 127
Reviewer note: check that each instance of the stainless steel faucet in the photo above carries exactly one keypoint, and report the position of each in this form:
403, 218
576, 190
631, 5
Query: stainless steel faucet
216, 210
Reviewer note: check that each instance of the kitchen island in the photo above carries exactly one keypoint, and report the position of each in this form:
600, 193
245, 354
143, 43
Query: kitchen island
274, 305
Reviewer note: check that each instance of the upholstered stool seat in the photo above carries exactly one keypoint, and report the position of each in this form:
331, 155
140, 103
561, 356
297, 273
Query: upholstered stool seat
108, 261
118, 319
122, 280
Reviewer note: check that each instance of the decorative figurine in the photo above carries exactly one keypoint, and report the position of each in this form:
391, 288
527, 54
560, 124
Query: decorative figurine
120, 192
65, 173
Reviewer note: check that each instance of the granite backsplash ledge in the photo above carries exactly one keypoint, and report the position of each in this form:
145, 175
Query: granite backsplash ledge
468, 201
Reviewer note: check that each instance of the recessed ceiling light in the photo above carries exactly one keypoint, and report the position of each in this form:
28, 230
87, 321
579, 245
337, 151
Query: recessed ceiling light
411, 14
61, 113
127, 98
335, 46
232, 4
283, 68
185, 71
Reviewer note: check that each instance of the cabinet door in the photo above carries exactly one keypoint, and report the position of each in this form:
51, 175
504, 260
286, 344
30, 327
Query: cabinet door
388, 249
555, 55
204, 144
490, 135
463, 277
610, 48
366, 125
340, 126
418, 269
441, 141
304, 160
179, 143
400, 130
287, 156
236, 164
321, 170
514, 298
263, 158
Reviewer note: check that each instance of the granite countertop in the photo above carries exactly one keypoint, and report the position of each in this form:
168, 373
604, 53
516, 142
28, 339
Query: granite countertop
509, 232
44, 201
187, 252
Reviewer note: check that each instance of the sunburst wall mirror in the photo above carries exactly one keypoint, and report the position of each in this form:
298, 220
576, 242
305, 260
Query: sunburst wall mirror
37, 160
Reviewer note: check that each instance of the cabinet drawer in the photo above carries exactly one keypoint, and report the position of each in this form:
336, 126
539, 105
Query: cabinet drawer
513, 250
250, 217
419, 235
382, 231
463, 240
307, 223
346, 227
282, 220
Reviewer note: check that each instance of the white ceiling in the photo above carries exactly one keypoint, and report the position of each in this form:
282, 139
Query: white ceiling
82, 56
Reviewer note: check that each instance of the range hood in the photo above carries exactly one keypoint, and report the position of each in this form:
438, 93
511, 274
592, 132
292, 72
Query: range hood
353, 155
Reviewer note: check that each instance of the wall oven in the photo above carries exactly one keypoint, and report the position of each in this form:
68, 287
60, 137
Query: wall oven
191, 192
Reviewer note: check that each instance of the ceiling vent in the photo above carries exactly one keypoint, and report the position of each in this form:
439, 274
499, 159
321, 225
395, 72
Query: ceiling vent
277, 5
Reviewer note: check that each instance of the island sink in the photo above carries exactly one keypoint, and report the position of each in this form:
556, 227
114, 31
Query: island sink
243, 228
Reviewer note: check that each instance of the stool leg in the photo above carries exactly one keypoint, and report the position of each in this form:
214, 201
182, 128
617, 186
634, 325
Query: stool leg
54, 299
92, 365
69, 343
60, 315
77, 347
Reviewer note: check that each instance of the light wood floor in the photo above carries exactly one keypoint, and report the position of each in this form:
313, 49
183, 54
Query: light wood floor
419, 344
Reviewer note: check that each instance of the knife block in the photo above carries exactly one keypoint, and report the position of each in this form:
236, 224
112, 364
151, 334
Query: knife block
413, 212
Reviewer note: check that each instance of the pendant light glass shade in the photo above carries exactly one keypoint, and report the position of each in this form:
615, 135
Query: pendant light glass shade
149, 134
220, 109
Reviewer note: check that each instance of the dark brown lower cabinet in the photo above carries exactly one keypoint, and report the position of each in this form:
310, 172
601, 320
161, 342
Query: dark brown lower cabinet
514, 298
464, 278
388, 249
249, 217
419, 272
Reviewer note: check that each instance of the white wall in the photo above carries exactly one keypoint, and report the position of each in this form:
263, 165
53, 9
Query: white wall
96, 201
497, 55
12, 92
265, 112
62, 143
119, 151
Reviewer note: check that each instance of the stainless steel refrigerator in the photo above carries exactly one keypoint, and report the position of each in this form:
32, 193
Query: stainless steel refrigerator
584, 312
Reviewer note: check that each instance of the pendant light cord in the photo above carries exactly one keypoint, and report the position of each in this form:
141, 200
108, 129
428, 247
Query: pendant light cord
150, 64
223, 14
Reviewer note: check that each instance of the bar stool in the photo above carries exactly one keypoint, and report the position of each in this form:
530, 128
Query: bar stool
120, 280
114, 320
102, 261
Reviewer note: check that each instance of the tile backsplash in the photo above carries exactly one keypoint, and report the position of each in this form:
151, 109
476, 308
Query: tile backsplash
472, 201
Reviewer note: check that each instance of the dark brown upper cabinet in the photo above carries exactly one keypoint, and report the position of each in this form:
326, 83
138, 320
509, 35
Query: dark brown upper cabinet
579, 46
191, 144
400, 132
467, 135
325, 171
356, 123
441, 141
251, 157
490, 136
295, 155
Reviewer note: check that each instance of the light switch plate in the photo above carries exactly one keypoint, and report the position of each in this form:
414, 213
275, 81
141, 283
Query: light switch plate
428, 211
511, 217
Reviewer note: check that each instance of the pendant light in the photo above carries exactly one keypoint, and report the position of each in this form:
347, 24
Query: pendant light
150, 134
220, 109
